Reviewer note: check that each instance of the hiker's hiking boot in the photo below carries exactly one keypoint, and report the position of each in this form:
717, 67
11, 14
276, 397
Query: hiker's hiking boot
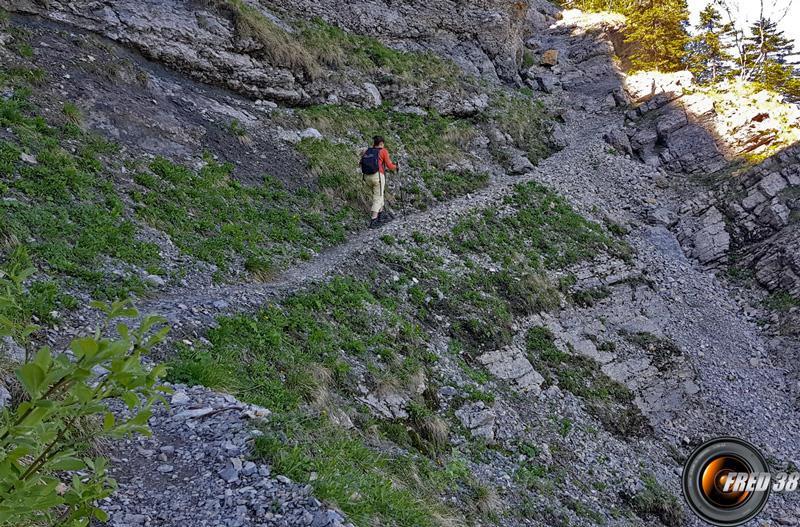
374, 223
385, 217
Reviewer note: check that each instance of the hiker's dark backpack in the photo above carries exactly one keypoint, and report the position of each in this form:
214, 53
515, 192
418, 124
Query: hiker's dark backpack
369, 161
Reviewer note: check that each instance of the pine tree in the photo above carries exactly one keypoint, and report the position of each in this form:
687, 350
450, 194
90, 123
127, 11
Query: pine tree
765, 53
708, 56
657, 29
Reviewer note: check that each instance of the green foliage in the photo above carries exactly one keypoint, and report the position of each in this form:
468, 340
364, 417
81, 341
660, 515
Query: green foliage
655, 500
63, 206
781, 301
543, 233
19, 305
657, 29
284, 345
211, 216
765, 54
620, 6
45, 475
365, 484
708, 57
427, 145
294, 354
525, 120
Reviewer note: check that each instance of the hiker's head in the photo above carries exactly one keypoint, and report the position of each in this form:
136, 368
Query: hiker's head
377, 141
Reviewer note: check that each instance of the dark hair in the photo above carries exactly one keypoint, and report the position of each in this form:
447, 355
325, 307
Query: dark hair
376, 140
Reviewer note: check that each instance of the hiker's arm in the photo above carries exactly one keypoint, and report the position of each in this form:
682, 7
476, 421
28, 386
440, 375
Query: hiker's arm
387, 161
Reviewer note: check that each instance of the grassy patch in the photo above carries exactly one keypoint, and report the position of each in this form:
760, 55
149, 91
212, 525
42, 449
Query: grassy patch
525, 120
429, 145
611, 402
781, 301
276, 357
366, 485
62, 206
543, 233
211, 216
655, 500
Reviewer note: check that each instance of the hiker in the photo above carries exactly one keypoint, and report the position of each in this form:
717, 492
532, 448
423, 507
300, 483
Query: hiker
374, 162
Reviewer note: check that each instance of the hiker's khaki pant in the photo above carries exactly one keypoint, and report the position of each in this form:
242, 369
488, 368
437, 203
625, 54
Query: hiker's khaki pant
376, 184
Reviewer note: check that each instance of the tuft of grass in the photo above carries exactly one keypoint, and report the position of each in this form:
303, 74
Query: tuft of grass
278, 45
655, 500
240, 132
781, 301
663, 352
72, 113
525, 120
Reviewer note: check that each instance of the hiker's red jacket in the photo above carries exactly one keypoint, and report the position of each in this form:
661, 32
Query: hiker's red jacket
384, 162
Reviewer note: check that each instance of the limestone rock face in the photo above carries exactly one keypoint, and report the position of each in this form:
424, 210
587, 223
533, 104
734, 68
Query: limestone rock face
201, 39
688, 130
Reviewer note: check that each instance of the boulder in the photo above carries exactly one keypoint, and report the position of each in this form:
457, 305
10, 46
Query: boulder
549, 58
619, 140
510, 364
479, 419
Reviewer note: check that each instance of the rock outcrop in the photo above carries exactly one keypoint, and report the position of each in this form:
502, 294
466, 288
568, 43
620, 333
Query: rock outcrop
214, 42
760, 208
681, 127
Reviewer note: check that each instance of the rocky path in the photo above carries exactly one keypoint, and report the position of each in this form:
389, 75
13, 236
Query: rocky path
194, 471
189, 310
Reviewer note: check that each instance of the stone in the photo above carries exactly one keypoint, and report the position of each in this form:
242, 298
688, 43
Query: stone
310, 133
479, 419
229, 474
619, 141
549, 58
520, 164
220, 304
154, 279
546, 83
5, 396
28, 158
374, 93
711, 241
661, 216
12, 350
772, 184
179, 398
510, 364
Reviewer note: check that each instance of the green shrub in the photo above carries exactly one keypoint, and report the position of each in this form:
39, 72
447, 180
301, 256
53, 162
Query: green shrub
46, 474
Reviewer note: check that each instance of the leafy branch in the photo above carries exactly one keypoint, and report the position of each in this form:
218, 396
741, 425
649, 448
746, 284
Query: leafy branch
46, 474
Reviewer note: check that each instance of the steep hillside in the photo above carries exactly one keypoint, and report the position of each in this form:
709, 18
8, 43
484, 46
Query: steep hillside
538, 337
